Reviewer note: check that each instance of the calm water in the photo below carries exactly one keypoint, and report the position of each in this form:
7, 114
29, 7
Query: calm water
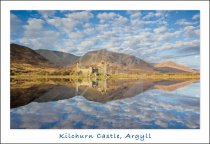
119, 104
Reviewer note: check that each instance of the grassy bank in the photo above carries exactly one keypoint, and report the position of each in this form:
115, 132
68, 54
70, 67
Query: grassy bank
26, 71
118, 76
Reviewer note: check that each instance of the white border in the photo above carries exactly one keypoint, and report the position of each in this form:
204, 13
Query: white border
51, 136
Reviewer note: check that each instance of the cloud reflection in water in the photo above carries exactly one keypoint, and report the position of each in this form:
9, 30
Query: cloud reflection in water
152, 109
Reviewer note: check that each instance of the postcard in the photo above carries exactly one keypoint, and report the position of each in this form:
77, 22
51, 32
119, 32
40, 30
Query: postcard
105, 75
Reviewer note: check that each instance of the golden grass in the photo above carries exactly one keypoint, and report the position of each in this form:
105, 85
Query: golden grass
27, 71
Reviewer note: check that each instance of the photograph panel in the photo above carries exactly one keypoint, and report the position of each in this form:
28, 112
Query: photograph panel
105, 69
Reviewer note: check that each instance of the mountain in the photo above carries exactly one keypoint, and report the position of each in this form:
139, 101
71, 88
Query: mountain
116, 62
24, 55
115, 59
169, 66
58, 58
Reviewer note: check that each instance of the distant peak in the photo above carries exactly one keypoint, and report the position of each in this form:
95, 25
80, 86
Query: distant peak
168, 62
174, 65
100, 50
103, 50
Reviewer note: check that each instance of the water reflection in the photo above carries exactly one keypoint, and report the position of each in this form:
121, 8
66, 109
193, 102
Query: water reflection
67, 103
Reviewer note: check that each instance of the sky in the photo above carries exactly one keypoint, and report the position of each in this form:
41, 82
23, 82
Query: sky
154, 36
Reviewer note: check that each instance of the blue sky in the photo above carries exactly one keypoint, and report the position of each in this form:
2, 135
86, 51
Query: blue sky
153, 36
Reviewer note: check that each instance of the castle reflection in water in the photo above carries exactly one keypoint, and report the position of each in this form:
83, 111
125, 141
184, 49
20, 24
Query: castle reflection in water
44, 90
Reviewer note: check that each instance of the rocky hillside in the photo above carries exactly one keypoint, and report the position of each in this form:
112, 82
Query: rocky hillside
169, 66
59, 58
24, 55
117, 59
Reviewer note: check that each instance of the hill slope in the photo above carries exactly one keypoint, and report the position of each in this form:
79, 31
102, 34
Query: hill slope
120, 62
116, 59
24, 55
169, 66
58, 58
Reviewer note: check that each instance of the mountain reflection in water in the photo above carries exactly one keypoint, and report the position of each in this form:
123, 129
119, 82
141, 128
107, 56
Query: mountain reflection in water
66, 103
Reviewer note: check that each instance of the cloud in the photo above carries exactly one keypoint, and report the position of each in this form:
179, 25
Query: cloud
155, 15
46, 13
76, 35
121, 20
166, 36
14, 23
70, 21
135, 14
37, 36
196, 17
151, 18
148, 16
89, 30
86, 45
189, 59
136, 22
106, 16
64, 24
176, 45
42, 40
183, 22
191, 31
160, 29
160, 14
34, 24
81, 16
